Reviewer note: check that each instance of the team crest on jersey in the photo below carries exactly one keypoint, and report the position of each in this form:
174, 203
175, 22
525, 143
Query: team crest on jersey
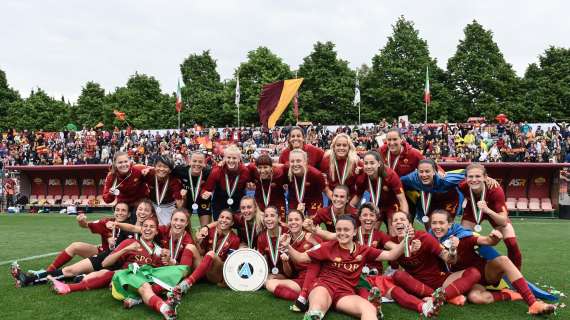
374, 243
306, 246
359, 257
406, 161
385, 188
337, 259
136, 179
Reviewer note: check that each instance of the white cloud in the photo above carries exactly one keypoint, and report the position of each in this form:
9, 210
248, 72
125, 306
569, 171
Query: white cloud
60, 45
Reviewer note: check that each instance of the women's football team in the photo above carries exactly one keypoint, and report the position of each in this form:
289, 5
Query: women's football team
321, 254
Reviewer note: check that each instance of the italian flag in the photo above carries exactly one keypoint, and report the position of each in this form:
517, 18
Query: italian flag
178, 98
427, 93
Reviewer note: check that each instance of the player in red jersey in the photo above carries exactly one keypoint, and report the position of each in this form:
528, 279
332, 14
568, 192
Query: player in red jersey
338, 207
92, 254
268, 243
297, 141
492, 271
124, 182
398, 155
341, 164
386, 193
85, 250
268, 182
489, 205
164, 187
142, 251
342, 262
194, 177
422, 268
214, 245
302, 241
305, 184
382, 285
227, 182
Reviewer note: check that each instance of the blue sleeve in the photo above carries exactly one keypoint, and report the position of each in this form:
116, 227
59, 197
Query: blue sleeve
409, 181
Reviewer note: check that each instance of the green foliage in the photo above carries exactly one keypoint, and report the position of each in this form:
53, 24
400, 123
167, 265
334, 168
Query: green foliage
7, 96
546, 86
327, 92
145, 106
38, 111
482, 81
91, 108
262, 66
394, 85
202, 91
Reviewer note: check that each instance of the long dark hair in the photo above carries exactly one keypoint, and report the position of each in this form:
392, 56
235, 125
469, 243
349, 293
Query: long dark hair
382, 169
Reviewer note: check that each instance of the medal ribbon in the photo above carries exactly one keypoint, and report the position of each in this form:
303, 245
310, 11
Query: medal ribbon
160, 196
266, 196
375, 195
301, 236
115, 235
174, 254
115, 185
395, 160
195, 191
146, 247
274, 252
300, 195
407, 245
361, 237
476, 210
342, 179
233, 189
333, 216
247, 233
214, 244
426, 202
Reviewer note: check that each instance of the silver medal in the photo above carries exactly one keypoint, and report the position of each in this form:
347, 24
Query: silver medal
478, 228
115, 192
275, 270
447, 243
195, 206
365, 270
230, 201
425, 219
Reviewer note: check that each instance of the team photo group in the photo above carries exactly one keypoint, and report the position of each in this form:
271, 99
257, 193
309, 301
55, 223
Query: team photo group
335, 229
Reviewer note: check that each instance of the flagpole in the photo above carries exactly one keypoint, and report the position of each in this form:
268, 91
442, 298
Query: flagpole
426, 113
178, 120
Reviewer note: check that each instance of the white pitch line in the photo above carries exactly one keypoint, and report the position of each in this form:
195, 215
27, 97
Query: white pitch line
28, 258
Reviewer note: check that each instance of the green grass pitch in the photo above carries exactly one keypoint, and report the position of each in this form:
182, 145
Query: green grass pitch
545, 246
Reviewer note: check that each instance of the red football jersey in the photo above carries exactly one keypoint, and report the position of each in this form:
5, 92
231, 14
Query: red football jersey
467, 257
425, 264
263, 248
164, 236
99, 227
334, 180
275, 192
391, 186
171, 194
314, 155
141, 256
132, 187
495, 198
239, 225
379, 240
231, 243
324, 215
314, 187
340, 267
302, 245
408, 159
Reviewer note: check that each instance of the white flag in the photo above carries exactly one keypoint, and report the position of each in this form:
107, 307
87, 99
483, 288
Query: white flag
356, 92
237, 92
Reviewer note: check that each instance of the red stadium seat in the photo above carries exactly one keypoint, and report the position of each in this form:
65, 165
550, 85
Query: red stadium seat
546, 205
71, 187
39, 186
88, 187
511, 204
54, 186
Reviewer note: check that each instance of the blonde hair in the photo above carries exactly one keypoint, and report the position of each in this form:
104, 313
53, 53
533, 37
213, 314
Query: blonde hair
296, 151
232, 148
258, 216
118, 154
351, 158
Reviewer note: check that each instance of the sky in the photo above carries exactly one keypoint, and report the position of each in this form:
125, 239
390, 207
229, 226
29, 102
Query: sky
59, 45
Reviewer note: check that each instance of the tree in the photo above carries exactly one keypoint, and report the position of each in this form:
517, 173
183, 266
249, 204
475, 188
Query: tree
90, 108
482, 81
7, 97
38, 111
546, 86
202, 91
145, 106
327, 91
394, 85
262, 66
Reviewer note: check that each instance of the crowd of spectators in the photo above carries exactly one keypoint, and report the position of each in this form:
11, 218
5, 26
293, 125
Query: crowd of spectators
476, 141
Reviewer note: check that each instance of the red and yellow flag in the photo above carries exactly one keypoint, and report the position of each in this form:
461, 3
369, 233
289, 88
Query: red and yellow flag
275, 98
